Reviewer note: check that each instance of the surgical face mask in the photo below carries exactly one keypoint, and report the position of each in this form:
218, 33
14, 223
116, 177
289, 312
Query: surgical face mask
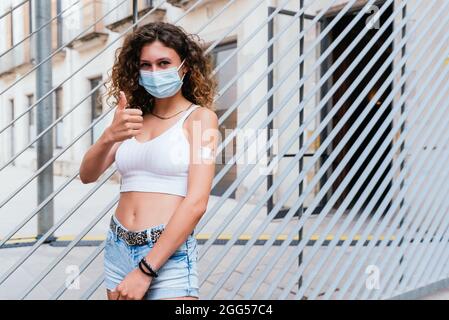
162, 84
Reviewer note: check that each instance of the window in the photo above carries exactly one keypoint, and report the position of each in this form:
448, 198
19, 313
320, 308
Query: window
11, 23
59, 23
30, 17
31, 119
59, 110
225, 101
225, 74
96, 109
11, 128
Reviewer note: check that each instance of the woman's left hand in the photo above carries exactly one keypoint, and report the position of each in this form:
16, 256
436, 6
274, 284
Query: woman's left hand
134, 286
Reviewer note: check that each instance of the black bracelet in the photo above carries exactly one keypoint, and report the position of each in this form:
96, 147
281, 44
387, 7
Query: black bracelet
144, 271
147, 265
152, 272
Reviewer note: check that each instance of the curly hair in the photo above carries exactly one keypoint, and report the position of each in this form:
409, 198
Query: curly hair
198, 86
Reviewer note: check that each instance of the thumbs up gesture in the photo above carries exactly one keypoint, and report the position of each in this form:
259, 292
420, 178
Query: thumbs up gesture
126, 123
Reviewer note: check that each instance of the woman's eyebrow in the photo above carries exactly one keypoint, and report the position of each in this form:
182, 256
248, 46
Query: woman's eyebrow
165, 58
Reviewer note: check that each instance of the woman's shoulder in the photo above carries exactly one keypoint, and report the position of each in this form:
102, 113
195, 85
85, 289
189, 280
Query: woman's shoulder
204, 114
205, 117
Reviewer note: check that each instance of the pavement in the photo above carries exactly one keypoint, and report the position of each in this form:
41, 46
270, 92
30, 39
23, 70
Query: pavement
442, 294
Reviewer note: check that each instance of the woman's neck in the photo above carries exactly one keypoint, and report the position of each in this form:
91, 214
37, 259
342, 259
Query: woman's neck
168, 106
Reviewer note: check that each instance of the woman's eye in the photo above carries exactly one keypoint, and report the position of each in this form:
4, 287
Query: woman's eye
147, 65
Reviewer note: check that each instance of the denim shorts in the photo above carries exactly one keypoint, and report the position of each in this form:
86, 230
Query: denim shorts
177, 277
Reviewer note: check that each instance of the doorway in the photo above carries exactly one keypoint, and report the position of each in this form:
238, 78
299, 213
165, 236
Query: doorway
359, 107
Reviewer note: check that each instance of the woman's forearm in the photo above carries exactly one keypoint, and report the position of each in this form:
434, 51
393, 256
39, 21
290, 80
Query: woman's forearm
95, 160
126, 123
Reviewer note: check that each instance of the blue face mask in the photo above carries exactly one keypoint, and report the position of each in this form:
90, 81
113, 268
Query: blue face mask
161, 84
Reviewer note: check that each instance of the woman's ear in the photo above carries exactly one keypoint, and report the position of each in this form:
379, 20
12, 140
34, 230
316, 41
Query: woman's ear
185, 73
185, 67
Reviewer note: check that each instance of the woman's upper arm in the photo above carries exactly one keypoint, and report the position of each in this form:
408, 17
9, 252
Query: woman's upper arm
203, 146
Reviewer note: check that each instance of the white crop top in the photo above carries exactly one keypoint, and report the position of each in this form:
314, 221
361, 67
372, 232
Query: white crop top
157, 165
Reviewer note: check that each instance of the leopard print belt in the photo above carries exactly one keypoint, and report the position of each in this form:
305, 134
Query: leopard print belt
136, 238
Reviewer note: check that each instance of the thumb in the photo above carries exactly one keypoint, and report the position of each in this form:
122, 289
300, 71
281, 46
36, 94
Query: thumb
122, 102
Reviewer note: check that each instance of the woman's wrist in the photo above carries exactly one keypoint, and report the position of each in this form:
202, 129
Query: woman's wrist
106, 137
146, 268
144, 273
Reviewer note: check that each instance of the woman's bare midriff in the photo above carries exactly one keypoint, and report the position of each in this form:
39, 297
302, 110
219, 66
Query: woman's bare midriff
142, 210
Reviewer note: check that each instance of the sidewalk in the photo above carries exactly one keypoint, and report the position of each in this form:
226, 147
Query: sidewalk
442, 294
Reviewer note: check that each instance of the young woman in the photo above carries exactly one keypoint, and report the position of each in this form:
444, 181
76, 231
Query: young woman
163, 139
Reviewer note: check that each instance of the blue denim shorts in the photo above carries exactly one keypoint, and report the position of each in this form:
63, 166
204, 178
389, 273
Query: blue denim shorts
177, 277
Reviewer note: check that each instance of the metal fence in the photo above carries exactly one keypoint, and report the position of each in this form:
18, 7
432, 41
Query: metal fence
356, 97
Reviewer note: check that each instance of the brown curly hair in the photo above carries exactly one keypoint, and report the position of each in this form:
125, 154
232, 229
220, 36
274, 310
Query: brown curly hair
198, 86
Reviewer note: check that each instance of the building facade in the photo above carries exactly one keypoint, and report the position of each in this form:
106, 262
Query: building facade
88, 33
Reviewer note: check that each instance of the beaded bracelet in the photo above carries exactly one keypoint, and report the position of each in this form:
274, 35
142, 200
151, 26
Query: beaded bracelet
151, 271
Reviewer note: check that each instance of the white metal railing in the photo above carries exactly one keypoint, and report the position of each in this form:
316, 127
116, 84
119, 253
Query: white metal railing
398, 225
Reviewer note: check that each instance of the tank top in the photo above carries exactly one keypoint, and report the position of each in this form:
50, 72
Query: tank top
157, 165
